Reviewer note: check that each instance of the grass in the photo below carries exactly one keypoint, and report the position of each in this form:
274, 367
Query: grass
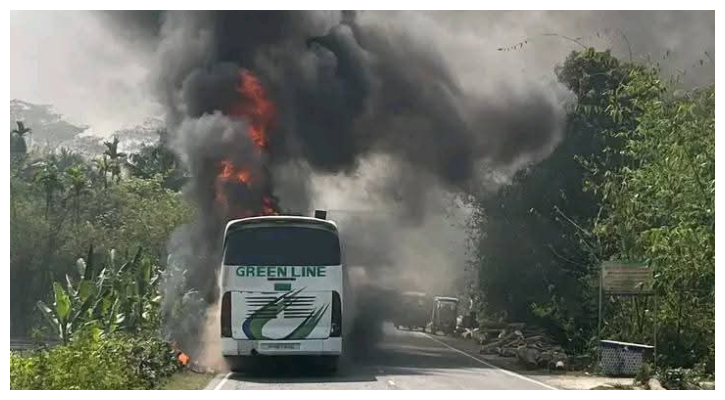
187, 380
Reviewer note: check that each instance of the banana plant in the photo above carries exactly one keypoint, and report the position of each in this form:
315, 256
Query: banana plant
71, 305
106, 299
137, 283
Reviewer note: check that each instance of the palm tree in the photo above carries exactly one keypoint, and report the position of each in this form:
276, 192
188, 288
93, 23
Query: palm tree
116, 158
78, 183
18, 147
103, 167
50, 179
66, 159
17, 138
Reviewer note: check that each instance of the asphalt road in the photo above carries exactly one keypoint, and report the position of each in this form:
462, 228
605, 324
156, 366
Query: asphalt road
401, 360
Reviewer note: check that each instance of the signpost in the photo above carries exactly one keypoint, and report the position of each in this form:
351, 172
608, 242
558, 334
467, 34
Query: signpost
626, 278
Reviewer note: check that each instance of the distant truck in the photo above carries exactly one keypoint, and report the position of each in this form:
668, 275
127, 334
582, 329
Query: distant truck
413, 311
445, 315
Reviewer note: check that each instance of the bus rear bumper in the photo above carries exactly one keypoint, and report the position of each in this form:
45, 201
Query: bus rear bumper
240, 347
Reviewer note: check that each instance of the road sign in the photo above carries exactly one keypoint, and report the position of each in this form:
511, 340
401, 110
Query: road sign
626, 278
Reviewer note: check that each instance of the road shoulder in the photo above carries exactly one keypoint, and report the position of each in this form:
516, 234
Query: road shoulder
187, 380
569, 380
218, 381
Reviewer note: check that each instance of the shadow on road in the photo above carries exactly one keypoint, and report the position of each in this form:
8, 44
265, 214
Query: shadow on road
413, 353
399, 353
300, 370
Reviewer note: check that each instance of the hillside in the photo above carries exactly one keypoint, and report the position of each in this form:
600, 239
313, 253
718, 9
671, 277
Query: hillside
51, 129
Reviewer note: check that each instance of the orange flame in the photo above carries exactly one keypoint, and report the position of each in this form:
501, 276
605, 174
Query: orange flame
244, 176
256, 106
183, 358
227, 170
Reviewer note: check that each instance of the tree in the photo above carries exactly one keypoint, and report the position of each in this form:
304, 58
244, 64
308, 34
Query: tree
157, 159
17, 138
66, 158
50, 179
544, 215
79, 186
659, 206
115, 158
103, 166
58, 205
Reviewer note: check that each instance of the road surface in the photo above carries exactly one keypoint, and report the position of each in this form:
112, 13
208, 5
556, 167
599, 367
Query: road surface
401, 360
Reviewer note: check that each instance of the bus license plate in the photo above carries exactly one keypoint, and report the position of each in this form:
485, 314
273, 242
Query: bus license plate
281, 346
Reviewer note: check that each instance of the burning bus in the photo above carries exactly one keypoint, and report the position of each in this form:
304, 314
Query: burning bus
282, 289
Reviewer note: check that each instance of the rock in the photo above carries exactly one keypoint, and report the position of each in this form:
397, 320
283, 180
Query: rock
707, 385
654, 384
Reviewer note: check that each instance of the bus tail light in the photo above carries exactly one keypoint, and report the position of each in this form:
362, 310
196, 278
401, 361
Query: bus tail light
226, 317
336, 323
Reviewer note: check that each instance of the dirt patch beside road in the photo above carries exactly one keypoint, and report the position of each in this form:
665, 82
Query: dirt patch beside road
567, 380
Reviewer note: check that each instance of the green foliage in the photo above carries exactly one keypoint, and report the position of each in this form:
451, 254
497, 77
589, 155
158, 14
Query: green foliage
157, 161
61, 202
17, 139
113, 298
118, 362
632, 179
545, 215
660, 206
679, 379
645, 373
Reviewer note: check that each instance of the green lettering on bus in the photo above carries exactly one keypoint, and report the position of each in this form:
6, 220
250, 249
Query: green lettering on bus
282, 272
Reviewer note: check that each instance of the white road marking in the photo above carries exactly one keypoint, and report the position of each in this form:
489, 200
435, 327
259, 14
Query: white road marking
505, 371
223, 381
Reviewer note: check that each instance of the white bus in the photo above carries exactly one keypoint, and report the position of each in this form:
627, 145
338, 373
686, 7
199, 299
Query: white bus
282, 289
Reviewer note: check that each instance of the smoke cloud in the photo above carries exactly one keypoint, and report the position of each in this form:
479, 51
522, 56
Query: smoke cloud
377, 110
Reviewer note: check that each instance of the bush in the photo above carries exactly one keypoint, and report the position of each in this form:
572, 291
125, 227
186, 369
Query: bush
679, 379
645, 373
116, 362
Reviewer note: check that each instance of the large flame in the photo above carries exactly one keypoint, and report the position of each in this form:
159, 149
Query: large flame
256, 107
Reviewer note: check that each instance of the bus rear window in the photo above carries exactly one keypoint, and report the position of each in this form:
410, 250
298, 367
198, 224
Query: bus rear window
282, 246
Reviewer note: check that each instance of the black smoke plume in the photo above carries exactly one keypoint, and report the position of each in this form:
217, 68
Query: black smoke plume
343, 91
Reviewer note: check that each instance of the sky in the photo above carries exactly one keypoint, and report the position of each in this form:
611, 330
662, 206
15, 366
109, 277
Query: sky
93, 76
